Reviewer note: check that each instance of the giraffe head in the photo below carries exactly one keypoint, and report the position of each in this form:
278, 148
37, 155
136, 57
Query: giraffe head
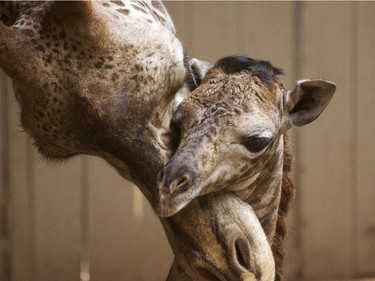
79, 70
231, 128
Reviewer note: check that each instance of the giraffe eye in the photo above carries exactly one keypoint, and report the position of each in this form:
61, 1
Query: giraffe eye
256, 144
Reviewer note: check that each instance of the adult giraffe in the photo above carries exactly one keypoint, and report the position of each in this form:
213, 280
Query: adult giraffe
101, 78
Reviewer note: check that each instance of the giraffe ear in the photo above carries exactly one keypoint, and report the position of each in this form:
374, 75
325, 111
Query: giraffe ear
198, 70
308, 100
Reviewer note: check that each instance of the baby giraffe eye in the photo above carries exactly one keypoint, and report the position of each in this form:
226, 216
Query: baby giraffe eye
256, 144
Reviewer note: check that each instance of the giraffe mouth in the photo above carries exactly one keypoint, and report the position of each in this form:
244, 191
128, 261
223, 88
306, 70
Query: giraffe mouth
176, 188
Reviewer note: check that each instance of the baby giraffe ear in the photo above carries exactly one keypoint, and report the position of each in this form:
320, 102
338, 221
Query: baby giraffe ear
308, 100
197, 72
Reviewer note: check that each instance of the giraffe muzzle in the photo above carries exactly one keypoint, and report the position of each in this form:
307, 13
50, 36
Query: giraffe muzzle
176, 187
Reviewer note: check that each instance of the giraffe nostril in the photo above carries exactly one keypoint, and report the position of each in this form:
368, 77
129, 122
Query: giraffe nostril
239, 255
179, 183
160, 176
242, 260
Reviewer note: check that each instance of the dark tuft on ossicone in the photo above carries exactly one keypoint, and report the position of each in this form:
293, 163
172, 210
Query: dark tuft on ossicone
263, 69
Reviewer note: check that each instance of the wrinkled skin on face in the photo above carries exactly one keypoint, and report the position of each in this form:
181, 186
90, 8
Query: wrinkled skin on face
99, 78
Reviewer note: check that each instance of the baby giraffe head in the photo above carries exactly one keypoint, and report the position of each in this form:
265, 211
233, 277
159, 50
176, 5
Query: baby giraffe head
231, 127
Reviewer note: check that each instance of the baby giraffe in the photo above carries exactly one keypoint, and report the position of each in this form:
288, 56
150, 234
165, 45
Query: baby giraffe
233, 139
232, 129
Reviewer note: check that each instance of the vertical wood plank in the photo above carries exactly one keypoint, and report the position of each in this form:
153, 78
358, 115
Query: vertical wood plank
21, 188
3, 164
180, 12
324, 168
365, 264
214, 30
84, 219
111, 236
268, 33
57, 219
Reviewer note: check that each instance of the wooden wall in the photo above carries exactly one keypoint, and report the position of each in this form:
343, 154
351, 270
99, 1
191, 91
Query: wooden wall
81, 220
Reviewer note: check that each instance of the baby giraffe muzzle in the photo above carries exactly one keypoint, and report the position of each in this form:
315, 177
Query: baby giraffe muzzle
174, 181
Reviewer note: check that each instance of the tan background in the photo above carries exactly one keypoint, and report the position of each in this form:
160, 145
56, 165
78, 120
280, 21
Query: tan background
59, 222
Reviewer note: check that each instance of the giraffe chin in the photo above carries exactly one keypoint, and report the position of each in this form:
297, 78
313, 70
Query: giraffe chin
168, 205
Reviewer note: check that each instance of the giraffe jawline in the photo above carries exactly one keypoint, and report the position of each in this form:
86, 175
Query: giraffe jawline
243, 184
